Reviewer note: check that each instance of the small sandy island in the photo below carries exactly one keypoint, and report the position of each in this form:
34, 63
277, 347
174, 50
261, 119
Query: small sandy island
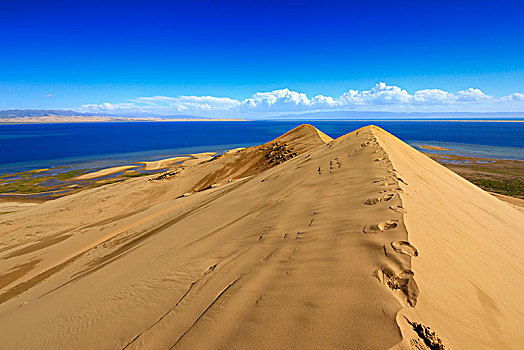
435, 148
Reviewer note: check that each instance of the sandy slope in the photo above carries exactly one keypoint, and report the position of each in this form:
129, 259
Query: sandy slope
163, 163
516, 203
105, 172
470, 266
303, 242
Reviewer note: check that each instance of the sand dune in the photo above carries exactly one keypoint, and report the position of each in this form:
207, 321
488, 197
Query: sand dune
304, 242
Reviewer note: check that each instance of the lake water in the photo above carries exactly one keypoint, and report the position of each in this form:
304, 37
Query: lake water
97, 145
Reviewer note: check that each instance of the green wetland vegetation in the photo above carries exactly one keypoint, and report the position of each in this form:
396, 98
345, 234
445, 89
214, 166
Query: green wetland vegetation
494, 175
509, 187
44, 182
500, 176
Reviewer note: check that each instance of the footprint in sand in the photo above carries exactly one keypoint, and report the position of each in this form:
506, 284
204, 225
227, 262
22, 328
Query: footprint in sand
398, 209
404, 247
399, 280
400, 179
430, 338
376, 200
381, 227
383, 178
403, 281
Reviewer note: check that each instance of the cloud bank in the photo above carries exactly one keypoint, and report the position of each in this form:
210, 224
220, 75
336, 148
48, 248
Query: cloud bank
381, 97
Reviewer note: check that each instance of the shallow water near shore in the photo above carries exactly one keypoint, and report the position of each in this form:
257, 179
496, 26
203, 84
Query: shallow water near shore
99, 145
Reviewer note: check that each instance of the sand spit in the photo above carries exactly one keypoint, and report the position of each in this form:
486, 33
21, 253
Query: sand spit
105, 172
435, 148
303, 242
163, 163
189, 160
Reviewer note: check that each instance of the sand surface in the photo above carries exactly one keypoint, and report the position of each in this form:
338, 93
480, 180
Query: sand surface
517, 203
105, 172
304, 242
163, 163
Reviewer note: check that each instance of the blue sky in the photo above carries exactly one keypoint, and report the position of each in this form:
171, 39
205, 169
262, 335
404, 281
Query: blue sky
215, 57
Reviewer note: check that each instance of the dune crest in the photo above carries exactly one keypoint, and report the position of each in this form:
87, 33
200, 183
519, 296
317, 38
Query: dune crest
470, 264
360, 242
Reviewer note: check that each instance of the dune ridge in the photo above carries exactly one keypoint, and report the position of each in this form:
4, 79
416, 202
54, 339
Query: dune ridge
304, 242
470, 248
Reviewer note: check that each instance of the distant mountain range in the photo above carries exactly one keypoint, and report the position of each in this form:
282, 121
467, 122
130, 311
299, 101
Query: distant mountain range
29, 116
18, 113
400, 115
34, 114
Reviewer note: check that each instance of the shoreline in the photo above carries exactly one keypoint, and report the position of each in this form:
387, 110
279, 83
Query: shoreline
90, 120
164, 155
435, 148
494, 175
73, 120
74, 181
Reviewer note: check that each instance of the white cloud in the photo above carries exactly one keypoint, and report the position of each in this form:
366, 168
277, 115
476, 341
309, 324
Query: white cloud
47, 96
107, 107
284, 99
433, 96
381, 97
164, 105
471, 95
383, 94
204, 103
513, 97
